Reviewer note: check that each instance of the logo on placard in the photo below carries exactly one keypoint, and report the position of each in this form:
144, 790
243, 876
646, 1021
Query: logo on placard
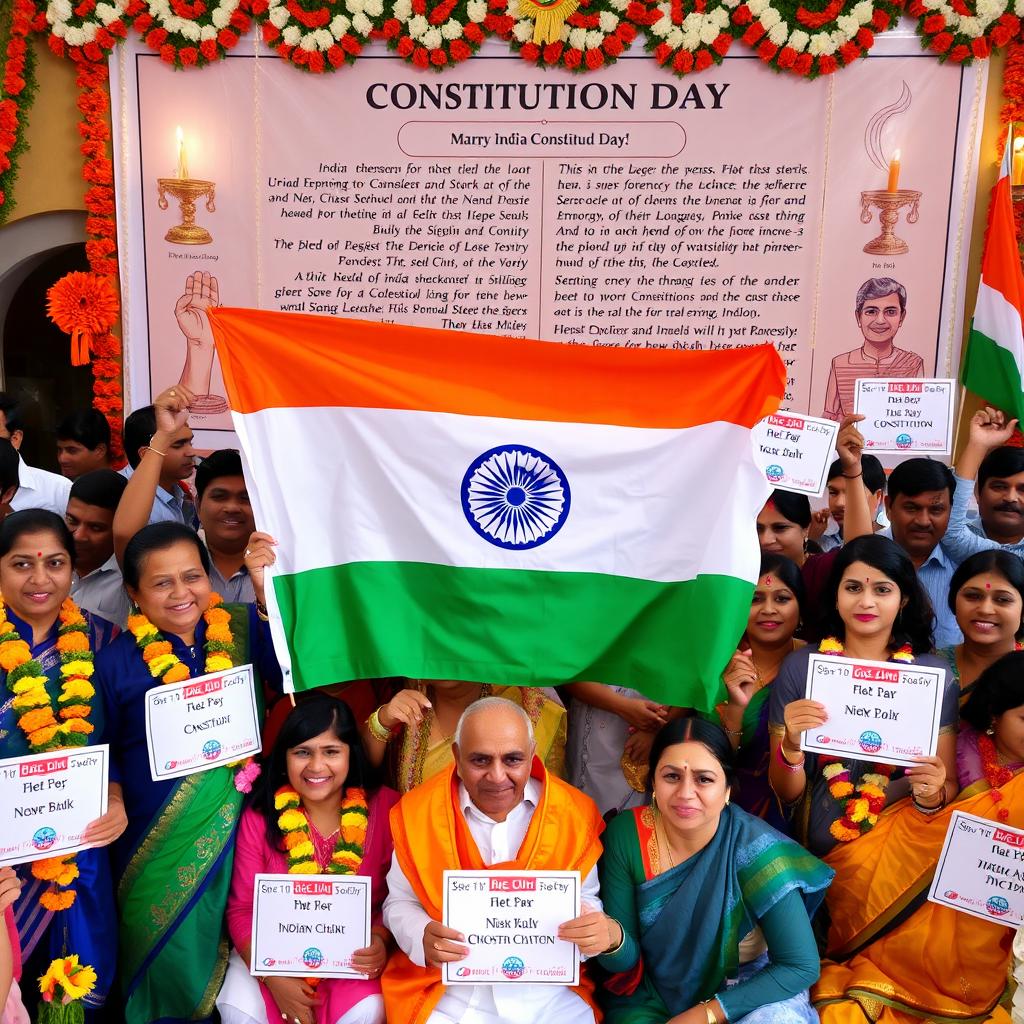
512, 967
870, 742
269, 961
823, 740
462, 972
211, 750
312, 957
43, 838
904, 441
515, 496
997, 906
951, 894
170, 765
774, 473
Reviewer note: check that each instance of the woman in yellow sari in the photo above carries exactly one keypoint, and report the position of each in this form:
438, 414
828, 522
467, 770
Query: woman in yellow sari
414, 729
893, 957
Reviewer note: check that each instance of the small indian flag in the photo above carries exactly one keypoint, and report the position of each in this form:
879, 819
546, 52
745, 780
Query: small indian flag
994, 363
464, 506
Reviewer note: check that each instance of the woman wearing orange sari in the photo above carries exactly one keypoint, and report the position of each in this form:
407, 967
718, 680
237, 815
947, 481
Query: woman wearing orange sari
893, 957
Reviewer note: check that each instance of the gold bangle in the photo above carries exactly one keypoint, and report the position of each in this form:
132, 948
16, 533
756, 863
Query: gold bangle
377, 729
712, 1019
156, 451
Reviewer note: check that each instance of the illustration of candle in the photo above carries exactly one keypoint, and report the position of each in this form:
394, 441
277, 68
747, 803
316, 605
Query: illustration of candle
894, 173
1018, 161
182, 155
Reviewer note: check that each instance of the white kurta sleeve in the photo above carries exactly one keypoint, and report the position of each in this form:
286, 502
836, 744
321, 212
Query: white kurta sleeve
404, 915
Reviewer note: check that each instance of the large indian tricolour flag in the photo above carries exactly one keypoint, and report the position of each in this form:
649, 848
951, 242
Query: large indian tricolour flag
994, 364
463, 506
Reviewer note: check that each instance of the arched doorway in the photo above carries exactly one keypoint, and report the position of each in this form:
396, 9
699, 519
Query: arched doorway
35, 353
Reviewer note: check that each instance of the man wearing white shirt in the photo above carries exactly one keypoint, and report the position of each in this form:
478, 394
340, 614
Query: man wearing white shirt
496, 807
36, 487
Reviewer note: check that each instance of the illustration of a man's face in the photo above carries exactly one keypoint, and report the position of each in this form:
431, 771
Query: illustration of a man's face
880, 319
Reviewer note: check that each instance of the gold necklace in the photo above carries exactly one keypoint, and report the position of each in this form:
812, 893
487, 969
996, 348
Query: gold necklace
668, 846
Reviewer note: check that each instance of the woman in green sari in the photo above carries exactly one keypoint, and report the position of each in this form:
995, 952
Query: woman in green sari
714, 904
173, 864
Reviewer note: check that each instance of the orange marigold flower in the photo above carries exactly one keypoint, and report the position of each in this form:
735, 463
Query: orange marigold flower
221, 633
215, 599
75, 711
43, 736
83, 302
80, 726
55, 901
153, 650
218, 617
49, 868
293, 839
14, 653
40, 718
73, 642
176, 674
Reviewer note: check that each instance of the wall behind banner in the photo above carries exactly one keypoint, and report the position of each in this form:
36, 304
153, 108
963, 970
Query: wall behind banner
629, 207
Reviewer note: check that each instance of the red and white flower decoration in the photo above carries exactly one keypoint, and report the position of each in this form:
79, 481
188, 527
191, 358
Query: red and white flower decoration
318, 36
192, 34
957, 33
436, 35
683, 35
593, 36
90, 30
792, 37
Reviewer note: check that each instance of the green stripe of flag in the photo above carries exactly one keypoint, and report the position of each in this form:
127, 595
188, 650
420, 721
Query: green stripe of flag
990, 371
368, 620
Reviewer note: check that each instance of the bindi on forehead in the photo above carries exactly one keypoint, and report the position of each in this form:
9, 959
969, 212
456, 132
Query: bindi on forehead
767, 581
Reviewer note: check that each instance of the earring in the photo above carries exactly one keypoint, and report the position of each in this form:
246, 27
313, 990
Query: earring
727, 800
990, 731
654, 800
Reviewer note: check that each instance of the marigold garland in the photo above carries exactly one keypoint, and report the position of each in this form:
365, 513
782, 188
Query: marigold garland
962, 31
791, 35
188, 35
89, 30
18, 90
167, 667
863, 804
47, 727
82, 305
686, 35
439, 33
996, 775
318, 35
592, 36
354, 818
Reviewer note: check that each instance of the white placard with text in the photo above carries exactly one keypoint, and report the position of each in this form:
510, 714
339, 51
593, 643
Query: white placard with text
981, 870
202, 723
309, 925
49, 799
794, 452
877, 710
510, 920
906, 416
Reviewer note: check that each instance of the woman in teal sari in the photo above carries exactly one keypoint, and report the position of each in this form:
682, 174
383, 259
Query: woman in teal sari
37, 553
714, 905
173, 864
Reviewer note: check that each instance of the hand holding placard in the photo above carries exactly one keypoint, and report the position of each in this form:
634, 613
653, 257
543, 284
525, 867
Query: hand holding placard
907, 416
794, 451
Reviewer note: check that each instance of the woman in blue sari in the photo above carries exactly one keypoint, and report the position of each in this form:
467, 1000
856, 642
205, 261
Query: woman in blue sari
173, 864
37, 553
714, 905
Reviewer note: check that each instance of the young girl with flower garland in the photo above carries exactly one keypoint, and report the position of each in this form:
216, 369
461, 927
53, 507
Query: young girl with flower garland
47, 645
878, 612
888, 945
986, 594
315, 810
174, 860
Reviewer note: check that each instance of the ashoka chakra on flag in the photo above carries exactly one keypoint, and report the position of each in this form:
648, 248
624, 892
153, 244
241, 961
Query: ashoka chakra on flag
515, 496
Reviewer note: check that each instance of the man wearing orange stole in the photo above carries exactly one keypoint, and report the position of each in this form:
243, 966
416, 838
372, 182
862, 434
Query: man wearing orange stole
497, 808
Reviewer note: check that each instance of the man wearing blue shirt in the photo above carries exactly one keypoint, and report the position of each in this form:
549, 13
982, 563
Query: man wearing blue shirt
919, 500
1000, 490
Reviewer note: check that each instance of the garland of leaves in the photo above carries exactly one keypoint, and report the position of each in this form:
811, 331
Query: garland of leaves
192, 34
19, 89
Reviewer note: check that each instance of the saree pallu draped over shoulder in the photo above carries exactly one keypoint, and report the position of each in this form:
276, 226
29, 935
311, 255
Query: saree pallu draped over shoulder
894, 957
174, 889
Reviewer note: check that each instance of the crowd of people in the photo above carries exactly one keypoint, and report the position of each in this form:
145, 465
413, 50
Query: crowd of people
726, 874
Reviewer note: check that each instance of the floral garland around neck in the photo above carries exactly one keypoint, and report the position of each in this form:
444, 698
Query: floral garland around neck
863, 804
996, 775
166, 666
293, 822
47, 727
